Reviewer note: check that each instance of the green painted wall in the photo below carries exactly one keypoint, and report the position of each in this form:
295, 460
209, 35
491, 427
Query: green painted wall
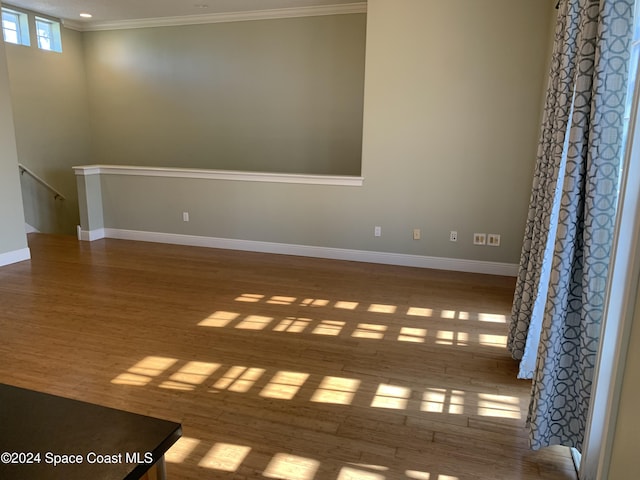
52, 127
271, 95
12, 233
453, 92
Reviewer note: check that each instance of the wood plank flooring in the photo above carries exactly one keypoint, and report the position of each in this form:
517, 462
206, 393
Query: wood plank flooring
279, 367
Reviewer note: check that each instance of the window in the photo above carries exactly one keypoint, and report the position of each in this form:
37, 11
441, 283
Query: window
15, 27
48, 35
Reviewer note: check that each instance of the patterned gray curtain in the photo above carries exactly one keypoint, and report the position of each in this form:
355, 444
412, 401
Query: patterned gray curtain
569, 232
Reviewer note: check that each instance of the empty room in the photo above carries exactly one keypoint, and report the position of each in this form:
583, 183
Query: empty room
319, 239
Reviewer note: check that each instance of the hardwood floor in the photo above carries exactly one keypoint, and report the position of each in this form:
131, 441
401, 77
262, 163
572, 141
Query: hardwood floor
278, 367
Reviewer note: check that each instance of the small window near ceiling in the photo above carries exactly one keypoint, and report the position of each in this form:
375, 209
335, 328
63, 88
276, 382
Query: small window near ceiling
15, 27
48, 34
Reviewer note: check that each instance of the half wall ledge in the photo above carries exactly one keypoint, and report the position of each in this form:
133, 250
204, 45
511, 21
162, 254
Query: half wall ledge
239, 176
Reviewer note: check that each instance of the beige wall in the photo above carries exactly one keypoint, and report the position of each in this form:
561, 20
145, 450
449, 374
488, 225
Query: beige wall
452, 102
12, 233
624, 457
272, 95
453, 92
52, 127
451, 109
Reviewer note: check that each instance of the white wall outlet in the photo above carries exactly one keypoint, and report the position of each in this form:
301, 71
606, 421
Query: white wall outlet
416, 234
377, 231
493, 240
453, 236
479, 238
185, 216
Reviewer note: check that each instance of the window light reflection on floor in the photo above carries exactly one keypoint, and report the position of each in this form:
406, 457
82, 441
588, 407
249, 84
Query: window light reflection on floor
446, 337
420, 312
449, 314
190, 375
291, 467
249, 297
492, 340
144, 371
391, 396
225, 456
503, 406
369, 330
314, 302
329, 327
284, 385
441, 400
413, 335
254, 322
219, 319
417, 475
380, 308
346, 305
492, 317
336, 390
280, 300
292, 325
238, 379
350, 473
180, 450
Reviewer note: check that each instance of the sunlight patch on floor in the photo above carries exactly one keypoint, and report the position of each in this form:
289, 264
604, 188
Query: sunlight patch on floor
412, 335
391, 396
291, 467
503, 406
447, 337
180, 450
249, 297
254, 322
284, 385
336, 390
492, 317
419, 312
144, 371
369, 330
279, 300
441, 400
380, 308
239, 379
292, 325
492, 340
314, 302
350, 473
329, 327
191, 375
225, 456
346, 305
219, 319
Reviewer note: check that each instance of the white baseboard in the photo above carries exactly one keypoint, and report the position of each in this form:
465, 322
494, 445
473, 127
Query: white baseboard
30, 228
15, 256
90, 235
420, 261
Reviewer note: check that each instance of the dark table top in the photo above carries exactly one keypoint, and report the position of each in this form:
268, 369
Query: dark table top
104, 443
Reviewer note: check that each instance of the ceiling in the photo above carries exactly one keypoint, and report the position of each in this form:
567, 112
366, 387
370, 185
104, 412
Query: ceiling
122, 10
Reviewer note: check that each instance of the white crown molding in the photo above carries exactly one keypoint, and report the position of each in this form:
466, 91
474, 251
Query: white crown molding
339, 180
360, 7
386, 258
15, 256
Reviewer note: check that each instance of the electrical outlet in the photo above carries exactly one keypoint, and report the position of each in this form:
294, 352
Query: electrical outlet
479, 238
185, 216
493, 240
377, 231
416, 234
453, 236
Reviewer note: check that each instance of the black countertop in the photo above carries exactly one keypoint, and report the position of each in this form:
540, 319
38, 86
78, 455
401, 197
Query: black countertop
104, 443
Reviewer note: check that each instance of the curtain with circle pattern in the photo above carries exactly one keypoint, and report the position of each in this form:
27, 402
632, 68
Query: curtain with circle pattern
559, 299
